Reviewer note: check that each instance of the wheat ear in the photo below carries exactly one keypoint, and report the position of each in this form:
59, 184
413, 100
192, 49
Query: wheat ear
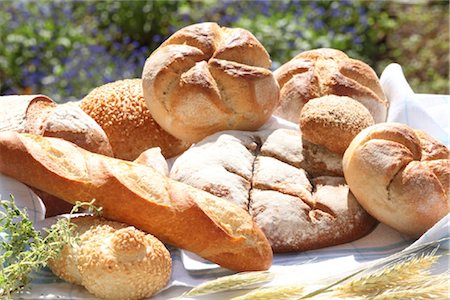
278, 292
231, 282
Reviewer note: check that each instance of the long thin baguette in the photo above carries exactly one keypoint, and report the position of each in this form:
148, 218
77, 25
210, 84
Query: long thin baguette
138, 195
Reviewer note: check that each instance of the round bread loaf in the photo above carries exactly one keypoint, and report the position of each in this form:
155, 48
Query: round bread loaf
400, 176
206, 78
113, 260
119, 108
315, 73
333, 121
265, 172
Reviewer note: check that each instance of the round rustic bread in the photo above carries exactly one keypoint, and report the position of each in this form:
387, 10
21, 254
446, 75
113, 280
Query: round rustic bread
333, 121
206, 78
400, 176
316, 73
265, 172
120, 109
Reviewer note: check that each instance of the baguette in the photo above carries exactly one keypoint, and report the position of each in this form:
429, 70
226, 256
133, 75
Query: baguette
138, 195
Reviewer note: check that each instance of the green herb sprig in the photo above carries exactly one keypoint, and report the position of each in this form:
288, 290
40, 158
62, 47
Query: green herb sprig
23, 249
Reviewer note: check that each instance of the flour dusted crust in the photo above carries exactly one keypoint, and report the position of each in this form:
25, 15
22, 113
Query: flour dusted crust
319, 72
266, 173
400, 176
206, 78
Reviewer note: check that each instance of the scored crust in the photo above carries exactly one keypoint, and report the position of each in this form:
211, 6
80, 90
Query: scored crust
400, 176
206, 78
316, 73
265, 173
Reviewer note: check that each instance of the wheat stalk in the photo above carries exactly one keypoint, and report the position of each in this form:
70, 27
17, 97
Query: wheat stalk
402, 273
279, 293
435, 287
231, 282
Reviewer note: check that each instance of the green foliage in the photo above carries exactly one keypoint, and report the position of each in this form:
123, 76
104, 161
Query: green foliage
64, 49
420, 44
24, 249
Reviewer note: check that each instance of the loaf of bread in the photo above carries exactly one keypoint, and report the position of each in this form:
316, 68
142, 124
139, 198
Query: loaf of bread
266, 173
400, 176
119, 108
333, 121
38, 114
206, 78
316, 73
138, 195
113, 260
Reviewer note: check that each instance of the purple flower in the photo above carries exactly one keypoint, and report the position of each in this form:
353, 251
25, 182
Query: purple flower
335, 12
59, 48
157, 38
357, 40
349, 29
91, 9
318, 24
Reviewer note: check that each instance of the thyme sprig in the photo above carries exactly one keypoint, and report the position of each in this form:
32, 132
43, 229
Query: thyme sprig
23, 249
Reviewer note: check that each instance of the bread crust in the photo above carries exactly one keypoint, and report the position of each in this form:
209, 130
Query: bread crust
113, 260
120, 109
138, 195
319, 72
333, 121
206, 78
267, 173
387, 173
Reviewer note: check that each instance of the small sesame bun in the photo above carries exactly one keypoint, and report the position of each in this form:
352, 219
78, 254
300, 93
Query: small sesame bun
113, 260
119, 108
333, 121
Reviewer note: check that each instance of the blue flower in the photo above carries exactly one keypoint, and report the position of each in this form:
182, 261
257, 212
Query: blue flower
318, 24
157, 38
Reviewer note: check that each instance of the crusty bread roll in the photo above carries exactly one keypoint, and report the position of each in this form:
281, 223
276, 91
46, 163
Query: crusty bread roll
119, 108
38, 114
206, 78
138, 195
266, 173
388, 172
315, 73
113, 260
333, 121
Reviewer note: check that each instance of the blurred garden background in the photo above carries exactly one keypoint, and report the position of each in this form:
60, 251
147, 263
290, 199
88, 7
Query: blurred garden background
64, 49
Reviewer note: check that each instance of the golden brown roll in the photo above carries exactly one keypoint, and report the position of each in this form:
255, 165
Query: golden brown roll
206, 78
113, 260
119, 108
333, 121
315, 73
394, 181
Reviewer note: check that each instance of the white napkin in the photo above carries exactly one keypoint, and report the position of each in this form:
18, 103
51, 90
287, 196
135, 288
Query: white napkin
430, 113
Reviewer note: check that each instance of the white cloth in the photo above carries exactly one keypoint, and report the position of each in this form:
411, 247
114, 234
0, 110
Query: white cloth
428, 112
